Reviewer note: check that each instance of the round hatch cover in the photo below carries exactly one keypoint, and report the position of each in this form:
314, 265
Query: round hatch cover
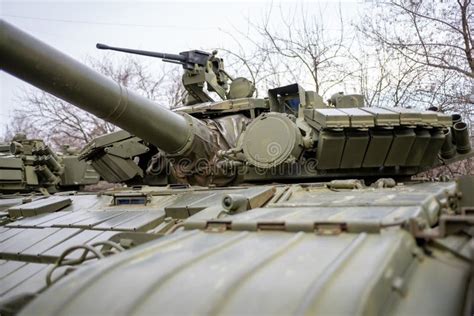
271, 139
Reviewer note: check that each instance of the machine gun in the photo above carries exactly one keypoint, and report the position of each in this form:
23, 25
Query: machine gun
200, 68
188, 59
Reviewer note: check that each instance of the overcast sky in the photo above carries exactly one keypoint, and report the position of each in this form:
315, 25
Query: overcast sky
74, 27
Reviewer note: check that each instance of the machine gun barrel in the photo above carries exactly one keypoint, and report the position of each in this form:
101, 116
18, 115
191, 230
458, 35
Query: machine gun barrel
41, 65
170, 57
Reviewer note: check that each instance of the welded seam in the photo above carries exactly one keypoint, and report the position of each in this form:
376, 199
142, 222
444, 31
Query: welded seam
239, 278
310, 299
106, 269
159, 282
121, 106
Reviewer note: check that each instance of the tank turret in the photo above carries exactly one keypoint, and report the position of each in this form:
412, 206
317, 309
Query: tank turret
279, 246
29, 165
290, 135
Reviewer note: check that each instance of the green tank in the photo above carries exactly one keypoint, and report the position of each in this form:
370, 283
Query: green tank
29, 165
241, 205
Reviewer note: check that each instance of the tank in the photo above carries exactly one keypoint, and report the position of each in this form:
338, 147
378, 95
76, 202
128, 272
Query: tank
29, 165
240, 205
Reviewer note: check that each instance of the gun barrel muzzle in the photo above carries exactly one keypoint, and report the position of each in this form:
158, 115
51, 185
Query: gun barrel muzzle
448, 150
461, 135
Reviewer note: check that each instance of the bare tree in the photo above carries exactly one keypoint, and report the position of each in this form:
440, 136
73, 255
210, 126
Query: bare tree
20, 123
173, 93
406, 53
45, 116
295, 46
384, 78
435, 38
433, 33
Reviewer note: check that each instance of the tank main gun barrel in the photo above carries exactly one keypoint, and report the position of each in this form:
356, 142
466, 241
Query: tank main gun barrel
43, 66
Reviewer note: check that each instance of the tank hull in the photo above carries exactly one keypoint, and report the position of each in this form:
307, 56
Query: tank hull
289, 250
